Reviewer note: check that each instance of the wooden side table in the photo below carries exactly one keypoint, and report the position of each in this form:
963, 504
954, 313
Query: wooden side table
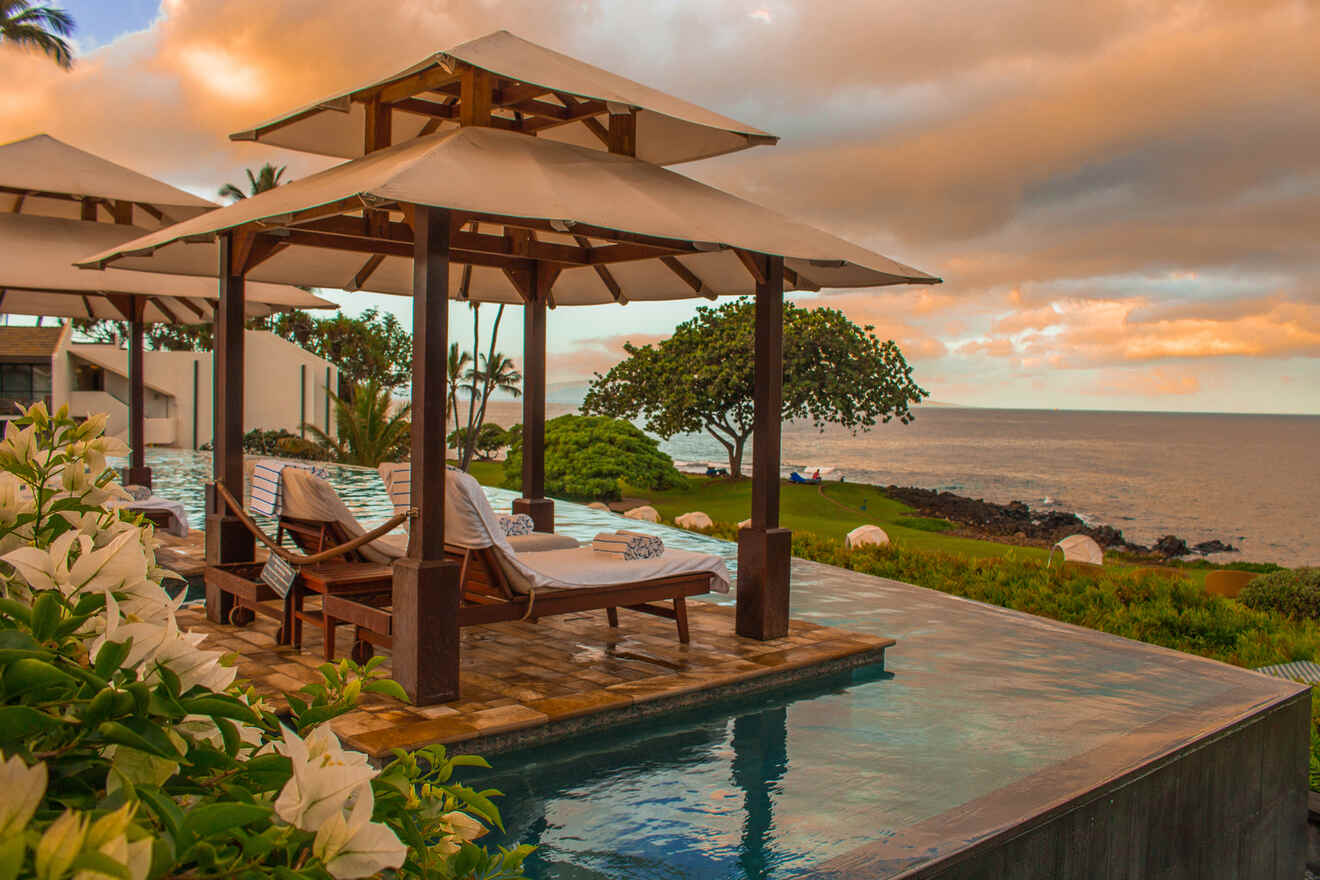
359, 580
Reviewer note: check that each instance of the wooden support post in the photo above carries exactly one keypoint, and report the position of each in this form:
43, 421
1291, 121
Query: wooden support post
426, 584
476, 95
533, 501
764, 549
226, 538
137, 472
623, 133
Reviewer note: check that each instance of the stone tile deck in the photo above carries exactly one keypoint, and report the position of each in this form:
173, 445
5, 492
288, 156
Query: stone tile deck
528, 682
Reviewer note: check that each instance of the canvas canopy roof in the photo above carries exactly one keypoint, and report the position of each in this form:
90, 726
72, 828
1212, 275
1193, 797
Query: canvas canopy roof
38, 277
44, 176
534, 83
683, 236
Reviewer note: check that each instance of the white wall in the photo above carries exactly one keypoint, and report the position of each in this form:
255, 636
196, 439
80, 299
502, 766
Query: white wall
274, 370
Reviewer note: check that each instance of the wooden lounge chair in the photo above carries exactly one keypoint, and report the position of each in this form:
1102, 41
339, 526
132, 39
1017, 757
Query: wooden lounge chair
500, 582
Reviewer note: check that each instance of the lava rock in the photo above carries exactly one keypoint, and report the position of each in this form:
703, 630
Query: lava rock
1170, 546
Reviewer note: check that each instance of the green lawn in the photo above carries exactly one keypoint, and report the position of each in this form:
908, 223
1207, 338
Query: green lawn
804, 509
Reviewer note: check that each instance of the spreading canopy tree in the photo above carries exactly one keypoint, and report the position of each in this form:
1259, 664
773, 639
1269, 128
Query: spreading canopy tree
702, 377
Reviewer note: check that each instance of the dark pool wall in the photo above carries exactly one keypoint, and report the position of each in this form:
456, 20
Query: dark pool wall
1230, 805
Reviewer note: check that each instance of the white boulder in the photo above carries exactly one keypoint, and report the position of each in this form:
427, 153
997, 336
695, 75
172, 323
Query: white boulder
1080, 548
694, 520
745, 524
863, 535
597, 505
646, 513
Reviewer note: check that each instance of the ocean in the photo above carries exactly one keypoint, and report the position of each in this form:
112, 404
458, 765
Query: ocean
1250, 480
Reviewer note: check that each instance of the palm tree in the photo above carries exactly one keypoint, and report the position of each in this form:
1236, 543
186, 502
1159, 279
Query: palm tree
370, 429
497, 373
266, 178
37, 27
458, 364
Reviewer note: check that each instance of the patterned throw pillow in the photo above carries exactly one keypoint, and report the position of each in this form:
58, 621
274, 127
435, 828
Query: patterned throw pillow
515, 524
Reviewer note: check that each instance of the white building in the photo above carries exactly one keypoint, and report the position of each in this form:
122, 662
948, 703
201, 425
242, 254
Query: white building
286, 386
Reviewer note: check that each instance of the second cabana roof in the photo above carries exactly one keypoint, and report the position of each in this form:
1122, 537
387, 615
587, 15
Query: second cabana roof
617, 228
537, 91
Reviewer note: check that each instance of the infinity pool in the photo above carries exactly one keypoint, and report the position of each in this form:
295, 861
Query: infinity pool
974, 700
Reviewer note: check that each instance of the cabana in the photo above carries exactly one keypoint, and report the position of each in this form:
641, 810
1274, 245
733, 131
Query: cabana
61, 203
493, 210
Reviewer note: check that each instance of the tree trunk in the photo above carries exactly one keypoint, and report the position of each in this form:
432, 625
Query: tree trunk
487, 388
735, 459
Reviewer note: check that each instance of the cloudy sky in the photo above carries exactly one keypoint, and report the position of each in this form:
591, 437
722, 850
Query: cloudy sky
1123, 197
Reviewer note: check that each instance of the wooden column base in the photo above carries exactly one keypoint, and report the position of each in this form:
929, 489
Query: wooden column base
541, 510
135, 476
226, 541
425, 622
764, 559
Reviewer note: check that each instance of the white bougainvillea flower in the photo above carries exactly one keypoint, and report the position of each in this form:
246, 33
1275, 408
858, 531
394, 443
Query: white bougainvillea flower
457, 827
60, 845
354, 846
155, 644
23, 787
21, 443
324, 775
108, 836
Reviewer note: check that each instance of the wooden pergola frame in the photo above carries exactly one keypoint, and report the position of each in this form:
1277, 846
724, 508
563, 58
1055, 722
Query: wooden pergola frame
426, 587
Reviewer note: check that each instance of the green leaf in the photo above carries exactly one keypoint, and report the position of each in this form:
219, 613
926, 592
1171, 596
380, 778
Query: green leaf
18, 611
11, 857
211, 819
166, 810
267, 772
388, 687
46, 612
19, 723
469, 761
219, 706
30, 675
111, 657
91, 860
141, 735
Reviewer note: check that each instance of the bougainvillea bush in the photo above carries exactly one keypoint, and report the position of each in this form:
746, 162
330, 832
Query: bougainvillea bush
128, 750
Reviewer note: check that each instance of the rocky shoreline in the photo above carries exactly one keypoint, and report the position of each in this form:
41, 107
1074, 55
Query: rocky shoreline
1016, 520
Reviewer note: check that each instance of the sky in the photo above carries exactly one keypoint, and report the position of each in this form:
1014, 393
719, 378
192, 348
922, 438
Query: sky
1123, 197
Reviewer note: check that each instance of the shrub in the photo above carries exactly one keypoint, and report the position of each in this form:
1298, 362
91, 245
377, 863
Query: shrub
587, 456
129, 750
491, 438
1295, 593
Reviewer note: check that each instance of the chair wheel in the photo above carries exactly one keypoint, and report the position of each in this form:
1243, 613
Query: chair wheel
241, 616
362, 651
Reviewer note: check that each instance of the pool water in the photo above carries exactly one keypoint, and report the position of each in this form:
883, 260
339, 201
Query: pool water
973, 699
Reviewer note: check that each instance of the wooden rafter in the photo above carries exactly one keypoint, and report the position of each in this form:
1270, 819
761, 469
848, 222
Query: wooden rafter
373, 262
160, 304
578, 111
606, 277
87, 304
350, 244
187, 304
689, 277
755, 264
797, 282
18, 203
414, 84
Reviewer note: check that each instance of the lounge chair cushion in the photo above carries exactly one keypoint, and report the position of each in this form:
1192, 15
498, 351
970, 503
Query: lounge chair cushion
307, 496
470, 522
583, 567
538, 541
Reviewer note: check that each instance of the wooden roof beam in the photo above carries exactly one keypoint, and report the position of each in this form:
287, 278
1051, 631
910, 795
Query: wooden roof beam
414, 84
797, 282
373, 262
160, 304
689, 277
755, 264
606, 277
